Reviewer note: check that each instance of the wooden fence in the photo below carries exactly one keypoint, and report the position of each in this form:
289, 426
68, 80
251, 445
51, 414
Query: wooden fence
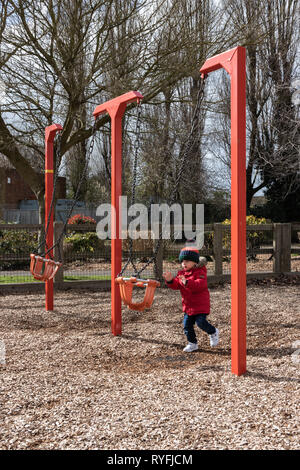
277, 244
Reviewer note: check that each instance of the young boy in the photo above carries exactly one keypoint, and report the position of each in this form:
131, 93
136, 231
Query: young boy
192, 283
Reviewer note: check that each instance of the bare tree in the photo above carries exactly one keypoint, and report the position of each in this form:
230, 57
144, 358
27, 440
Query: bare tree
279, 57
168, 122
57, 72
269, 32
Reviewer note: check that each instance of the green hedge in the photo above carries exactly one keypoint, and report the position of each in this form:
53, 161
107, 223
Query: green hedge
16, 244
79, 243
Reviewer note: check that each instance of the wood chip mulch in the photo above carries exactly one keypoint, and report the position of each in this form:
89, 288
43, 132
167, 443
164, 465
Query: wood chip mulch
67, 383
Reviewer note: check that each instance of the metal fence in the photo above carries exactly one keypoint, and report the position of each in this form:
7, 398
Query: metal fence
271, 249
31, 217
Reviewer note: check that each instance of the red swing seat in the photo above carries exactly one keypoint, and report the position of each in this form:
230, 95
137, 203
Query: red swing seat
126, 288
43, 269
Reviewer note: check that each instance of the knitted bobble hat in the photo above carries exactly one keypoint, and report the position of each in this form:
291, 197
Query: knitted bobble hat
189, 253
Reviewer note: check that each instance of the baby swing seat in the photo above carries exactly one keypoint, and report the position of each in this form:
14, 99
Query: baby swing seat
126, 287
43, 269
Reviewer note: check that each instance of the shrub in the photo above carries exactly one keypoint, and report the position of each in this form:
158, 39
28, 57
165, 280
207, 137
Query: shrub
79, 242
16, 244
138, 245
254, 239
208, 240
146, 246
79, 219
87, 242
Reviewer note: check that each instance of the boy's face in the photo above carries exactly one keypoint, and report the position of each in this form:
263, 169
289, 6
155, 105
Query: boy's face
188, 265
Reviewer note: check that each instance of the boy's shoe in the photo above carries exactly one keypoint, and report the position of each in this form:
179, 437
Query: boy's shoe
214, 338
191, 347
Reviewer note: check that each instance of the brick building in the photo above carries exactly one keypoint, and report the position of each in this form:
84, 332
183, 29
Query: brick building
14, 190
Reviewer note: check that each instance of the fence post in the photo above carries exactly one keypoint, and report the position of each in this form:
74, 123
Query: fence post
286, 232
277, 248
218, 249
282, 248
158, 265
58, 252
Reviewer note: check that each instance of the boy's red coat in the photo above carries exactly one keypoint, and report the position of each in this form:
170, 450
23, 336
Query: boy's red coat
195, 294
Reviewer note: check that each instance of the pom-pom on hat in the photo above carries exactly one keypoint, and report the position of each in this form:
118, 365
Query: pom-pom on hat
190, 253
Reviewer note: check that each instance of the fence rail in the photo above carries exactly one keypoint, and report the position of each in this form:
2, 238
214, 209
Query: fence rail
23, 216
271, 250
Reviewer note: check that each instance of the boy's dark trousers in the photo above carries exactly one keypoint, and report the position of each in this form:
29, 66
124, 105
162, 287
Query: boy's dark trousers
200, 319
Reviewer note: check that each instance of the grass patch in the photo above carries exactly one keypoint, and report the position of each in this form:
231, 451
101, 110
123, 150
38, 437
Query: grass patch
86, 278
28, 279
17, 279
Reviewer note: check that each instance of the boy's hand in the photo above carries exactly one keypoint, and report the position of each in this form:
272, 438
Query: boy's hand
167, 276
183, 279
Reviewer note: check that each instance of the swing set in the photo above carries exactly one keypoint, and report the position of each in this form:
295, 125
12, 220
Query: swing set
44, 267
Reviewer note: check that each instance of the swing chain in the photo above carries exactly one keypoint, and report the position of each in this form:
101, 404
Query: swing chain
134, 181
136, 150
87, 161
187, 147
190, 141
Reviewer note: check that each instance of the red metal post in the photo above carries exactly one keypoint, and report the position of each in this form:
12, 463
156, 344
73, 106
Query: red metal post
234, 62
116, 108
49, 139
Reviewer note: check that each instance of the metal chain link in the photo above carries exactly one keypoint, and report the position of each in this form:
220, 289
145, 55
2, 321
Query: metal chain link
136, 150
187, 147
75, 199
133, 186
189, 141
183, 158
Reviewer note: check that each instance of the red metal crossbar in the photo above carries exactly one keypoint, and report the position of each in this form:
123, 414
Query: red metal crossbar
234, 62
116, 108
